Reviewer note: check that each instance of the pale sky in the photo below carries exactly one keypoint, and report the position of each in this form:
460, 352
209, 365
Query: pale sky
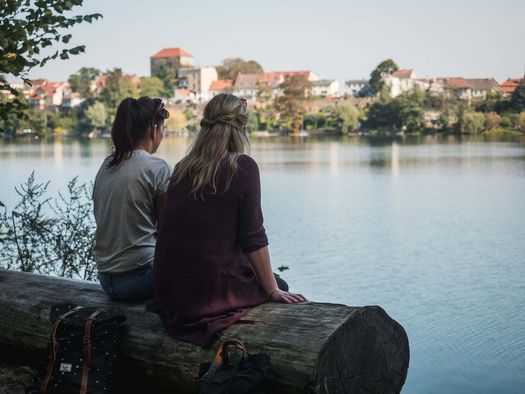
337, 39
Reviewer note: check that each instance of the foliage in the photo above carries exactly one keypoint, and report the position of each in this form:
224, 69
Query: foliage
346, 116
118, 87
291, 105
27, 27
32, 241
521, 122
493, 102
82, 82
506, 122
151, 87
517, 100
167, 75
471, 122
230, 68
492, 121
376, 82
384, 116
265, 111
253, 122
177, 120
97, 115
12, 120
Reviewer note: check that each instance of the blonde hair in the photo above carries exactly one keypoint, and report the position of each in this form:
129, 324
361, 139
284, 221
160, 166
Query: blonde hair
222, 137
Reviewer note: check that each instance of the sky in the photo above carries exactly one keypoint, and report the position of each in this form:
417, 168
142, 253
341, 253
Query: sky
337, 39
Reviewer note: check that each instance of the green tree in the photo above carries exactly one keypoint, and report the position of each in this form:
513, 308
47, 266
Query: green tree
27, 27
97, 115
12, 121
376, 82
292, 104
346, 116
83, 80
412, 110
151, 87
118, 87
471, 122
230, 68
253, 122
264, 108
384, 116
517, 100
167, 75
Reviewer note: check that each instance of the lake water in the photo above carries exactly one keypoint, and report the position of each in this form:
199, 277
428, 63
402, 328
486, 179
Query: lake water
432, 229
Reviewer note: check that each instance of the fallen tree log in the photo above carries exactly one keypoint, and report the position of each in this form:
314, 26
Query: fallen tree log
315, 348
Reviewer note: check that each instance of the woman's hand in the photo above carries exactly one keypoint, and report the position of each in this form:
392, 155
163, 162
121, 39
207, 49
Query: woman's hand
285, 297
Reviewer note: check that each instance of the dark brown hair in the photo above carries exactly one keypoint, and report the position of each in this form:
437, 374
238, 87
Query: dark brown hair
132, 122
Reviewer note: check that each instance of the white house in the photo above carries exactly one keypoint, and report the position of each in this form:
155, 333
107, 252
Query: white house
356, 88
400, 81
325, 87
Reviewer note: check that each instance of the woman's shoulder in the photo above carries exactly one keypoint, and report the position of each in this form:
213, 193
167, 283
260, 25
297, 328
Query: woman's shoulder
247, 162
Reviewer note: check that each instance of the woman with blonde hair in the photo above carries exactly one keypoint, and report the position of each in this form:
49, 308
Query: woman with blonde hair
211, 259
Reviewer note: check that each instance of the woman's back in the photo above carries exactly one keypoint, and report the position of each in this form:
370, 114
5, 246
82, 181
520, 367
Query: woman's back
124, 208
203, 279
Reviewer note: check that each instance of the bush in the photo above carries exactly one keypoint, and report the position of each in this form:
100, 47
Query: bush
506, 122
521, 122
49, 236
492, 121
471, 122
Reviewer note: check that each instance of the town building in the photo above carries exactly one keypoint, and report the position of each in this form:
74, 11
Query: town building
246, 84
472, 88
510, 85
174, 58
357, 88
197, 81
221, 86
400, 81
325, 88
46, 94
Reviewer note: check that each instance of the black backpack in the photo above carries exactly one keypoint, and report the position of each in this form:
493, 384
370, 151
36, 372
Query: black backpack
83, 351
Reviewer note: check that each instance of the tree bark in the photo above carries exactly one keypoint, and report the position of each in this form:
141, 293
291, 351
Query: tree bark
315, 348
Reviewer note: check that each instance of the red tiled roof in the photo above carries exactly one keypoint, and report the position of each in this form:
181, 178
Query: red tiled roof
457, 83
183, 92
510, 85
402, 74
221, 84
171, 52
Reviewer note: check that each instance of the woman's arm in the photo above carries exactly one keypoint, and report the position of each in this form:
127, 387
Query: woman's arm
260, 260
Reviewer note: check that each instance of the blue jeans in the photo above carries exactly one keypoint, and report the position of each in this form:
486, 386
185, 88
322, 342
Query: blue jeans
136, 285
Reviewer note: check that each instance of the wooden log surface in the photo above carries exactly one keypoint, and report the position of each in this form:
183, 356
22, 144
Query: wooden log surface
315, 347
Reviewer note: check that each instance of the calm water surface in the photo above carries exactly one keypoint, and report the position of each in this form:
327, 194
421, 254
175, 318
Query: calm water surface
431, 229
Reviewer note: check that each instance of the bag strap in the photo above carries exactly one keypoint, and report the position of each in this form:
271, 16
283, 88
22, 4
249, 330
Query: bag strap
218, 359
87, 349
54, 346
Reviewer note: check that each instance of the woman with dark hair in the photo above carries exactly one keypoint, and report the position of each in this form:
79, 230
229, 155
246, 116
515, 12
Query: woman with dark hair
127, 197
211, 259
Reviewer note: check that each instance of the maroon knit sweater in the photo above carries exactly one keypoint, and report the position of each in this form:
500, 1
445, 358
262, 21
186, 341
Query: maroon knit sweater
202, 277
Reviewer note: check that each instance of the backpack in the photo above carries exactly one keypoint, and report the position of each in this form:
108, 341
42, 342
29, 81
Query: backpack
83, 351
